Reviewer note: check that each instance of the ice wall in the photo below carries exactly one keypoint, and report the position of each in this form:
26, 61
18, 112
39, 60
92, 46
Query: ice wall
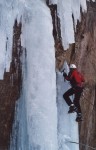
67, 126
40, 91
11, 10
53, 2
67, 8
35, 125
6, 36
39, 83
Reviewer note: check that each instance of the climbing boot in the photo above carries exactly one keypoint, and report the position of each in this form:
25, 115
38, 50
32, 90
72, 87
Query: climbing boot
79, 117
72, 109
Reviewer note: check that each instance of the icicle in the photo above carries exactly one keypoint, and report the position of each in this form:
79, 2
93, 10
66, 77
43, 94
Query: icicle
83, 5
2, 52
65, 10
76, 11
65, 14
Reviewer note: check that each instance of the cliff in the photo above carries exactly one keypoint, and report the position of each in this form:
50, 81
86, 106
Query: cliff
10, 89
82, 53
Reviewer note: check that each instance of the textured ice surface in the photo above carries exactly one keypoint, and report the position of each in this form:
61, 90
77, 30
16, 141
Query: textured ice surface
67, 8
36, 126
23, 10
67, 126
39, 82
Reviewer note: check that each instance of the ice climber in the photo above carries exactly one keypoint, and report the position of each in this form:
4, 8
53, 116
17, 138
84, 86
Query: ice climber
77, 82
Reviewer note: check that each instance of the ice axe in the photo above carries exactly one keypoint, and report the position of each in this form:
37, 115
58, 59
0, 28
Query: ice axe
63, 71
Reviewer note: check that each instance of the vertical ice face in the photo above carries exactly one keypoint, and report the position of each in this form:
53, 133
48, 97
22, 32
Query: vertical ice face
11, 10
67, 8
83, 5
52, 2
65, 14
2, 53
67, 126
76, 11
6, 35
39, 84
36, 116
40, 90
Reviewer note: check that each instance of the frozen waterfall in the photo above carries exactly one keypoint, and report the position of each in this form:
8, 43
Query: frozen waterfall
39, 84
41, 121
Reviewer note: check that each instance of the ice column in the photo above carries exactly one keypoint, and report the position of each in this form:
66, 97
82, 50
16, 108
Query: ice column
40, 81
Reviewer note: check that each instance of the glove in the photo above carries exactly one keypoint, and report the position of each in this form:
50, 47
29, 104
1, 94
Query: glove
64, 75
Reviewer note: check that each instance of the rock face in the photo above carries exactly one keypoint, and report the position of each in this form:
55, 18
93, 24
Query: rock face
10, 91
83, 54
85, 59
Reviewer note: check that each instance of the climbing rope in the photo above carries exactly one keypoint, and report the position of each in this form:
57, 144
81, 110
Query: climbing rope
94, 148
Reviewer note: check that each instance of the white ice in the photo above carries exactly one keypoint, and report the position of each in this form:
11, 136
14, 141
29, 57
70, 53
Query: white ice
65, 14
35, 126
67, 8
52, 2
40, 81
2, 53
11, 10
67, 126
8, 13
